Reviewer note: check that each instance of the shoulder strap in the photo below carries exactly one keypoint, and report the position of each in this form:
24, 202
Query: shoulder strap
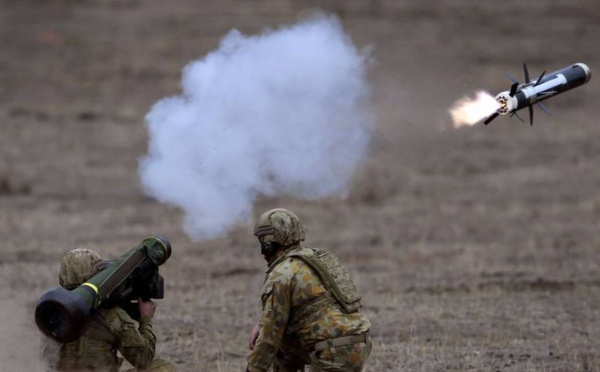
333, 275
98, 329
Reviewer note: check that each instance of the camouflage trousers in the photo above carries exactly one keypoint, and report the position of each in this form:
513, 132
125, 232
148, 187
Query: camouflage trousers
158, 365
348, 358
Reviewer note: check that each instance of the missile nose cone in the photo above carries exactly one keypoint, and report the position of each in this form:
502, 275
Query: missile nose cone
586, 69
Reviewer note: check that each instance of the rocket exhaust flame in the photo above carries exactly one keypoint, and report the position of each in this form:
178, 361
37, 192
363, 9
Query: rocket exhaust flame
469, 111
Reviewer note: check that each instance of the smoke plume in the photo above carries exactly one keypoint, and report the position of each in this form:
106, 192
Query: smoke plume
284, 112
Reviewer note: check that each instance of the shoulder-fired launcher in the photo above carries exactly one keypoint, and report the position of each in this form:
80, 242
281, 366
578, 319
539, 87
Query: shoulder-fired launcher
62, 314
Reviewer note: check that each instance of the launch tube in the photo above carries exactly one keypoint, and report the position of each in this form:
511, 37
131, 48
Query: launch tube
62, 314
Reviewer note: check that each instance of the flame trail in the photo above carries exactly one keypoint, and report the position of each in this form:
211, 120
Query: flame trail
469, 111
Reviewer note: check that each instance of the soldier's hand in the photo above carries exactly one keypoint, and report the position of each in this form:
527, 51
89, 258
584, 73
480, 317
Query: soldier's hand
146, 308
254, 335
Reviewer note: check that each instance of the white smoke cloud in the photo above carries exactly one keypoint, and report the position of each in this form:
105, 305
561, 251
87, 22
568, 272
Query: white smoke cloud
284, 112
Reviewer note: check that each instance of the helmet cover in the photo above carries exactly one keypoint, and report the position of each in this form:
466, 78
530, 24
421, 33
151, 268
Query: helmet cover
279, 226
79, 265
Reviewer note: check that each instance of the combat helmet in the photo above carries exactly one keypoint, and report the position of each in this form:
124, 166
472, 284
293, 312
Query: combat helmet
79, 265
279, 226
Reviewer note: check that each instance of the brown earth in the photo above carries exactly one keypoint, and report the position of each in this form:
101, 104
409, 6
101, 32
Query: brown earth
475, 249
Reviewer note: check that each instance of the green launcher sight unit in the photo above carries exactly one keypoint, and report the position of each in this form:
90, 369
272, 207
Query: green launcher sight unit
62, 314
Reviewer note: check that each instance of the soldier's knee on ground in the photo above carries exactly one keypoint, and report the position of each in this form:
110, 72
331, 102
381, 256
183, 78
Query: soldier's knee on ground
350, 358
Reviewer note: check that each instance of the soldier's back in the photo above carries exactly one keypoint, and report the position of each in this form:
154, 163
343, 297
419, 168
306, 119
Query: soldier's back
314, 312
95, 350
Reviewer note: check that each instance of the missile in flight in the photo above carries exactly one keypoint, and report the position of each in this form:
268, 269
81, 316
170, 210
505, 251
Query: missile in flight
534, 91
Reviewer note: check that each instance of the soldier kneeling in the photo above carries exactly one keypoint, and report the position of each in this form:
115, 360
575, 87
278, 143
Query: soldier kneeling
110, 329
310, 312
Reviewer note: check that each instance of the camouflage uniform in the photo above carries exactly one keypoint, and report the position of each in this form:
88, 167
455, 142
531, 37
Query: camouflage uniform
109, 330
302, 322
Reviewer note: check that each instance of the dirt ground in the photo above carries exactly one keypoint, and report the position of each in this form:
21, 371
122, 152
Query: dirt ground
475, 249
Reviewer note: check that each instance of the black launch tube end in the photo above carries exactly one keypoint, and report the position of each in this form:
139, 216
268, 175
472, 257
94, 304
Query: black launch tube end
62, 315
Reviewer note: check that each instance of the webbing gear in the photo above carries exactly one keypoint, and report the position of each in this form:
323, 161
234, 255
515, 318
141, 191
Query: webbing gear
334, 276
98, 329
310, 313
341, 341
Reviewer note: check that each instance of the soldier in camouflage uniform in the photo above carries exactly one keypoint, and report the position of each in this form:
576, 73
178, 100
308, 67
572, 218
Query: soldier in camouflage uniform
310, 306
110, 329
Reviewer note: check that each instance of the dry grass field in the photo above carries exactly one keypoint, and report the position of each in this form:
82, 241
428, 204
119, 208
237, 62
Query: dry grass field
475, 249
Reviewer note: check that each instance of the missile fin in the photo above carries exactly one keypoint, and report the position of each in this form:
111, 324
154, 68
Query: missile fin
544, 108
540, 78
490, 118
526, 73
514, 113
530, 114
513, 89
511, 78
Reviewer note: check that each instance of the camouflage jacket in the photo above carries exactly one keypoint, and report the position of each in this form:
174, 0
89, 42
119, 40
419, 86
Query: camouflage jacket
109, 330
291, 286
